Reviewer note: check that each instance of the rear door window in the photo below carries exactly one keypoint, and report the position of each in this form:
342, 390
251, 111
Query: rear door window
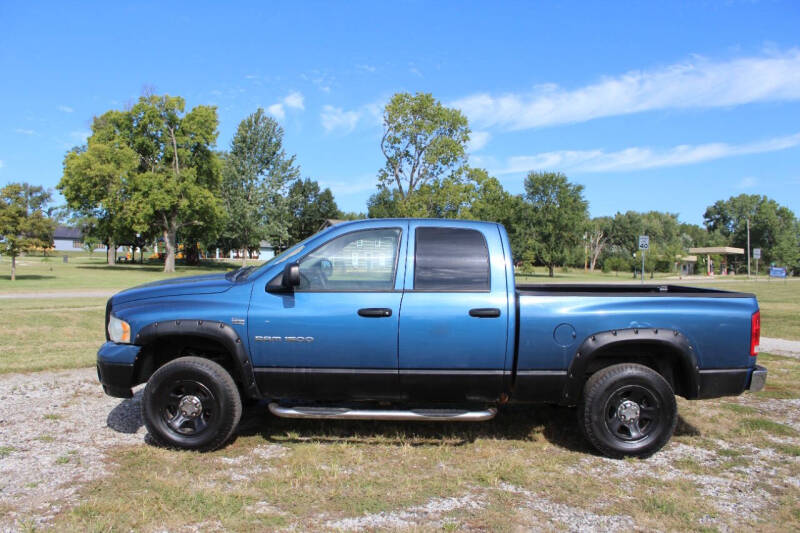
450, 259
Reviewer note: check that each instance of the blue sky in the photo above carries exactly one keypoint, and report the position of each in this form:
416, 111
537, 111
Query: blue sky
667, 106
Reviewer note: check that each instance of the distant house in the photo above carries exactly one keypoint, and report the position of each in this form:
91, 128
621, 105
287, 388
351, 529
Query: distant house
265, 251
66, 239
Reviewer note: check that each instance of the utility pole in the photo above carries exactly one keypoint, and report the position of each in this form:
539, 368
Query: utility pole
748, 247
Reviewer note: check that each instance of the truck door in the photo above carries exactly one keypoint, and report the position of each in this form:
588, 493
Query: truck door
334, 336
454, 316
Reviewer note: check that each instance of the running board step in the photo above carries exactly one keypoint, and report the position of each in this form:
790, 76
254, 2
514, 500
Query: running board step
345, 413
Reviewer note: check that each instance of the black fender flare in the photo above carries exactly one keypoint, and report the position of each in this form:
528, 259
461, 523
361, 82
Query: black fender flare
209, 329
597, 342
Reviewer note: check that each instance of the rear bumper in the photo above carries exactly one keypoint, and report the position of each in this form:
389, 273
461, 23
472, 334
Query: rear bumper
115, 368
718, 382
758, 379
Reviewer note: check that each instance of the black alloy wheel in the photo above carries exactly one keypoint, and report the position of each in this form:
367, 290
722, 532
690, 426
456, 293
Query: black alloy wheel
628, 410
191, 403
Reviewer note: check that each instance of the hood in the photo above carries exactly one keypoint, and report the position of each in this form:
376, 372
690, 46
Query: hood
206, 284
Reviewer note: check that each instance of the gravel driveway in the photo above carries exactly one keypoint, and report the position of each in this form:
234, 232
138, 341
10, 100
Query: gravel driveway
54, 430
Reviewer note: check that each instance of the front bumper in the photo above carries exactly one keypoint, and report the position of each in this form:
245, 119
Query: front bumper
758, 379
115, 368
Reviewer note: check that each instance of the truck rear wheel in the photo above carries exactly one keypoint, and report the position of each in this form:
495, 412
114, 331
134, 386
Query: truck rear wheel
628, 410
191, 403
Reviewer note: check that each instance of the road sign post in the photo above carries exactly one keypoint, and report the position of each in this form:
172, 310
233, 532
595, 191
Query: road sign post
756, 256
644, 244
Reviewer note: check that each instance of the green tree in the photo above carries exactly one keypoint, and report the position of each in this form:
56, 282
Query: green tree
667, 242
178, 177
147, 170
469, 193
309, 208
256, 177
773, 227
557, 218
423, 142
97, 178
23, 222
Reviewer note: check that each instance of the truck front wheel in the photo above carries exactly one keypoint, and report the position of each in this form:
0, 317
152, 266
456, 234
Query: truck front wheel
628, 410
191, 403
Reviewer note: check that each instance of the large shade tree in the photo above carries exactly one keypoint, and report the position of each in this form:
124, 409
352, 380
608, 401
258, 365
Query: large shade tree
150, 169
97, 180
556, 216
256, 178
24, 224
178, 178
423, 143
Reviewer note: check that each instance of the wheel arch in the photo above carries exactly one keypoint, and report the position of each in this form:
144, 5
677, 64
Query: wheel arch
164, 341
666, 351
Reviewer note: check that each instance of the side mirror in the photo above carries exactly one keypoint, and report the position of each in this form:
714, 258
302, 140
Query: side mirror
291, 276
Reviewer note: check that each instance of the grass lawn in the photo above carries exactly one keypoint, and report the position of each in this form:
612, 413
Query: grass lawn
84, 272
50, 334
518, 471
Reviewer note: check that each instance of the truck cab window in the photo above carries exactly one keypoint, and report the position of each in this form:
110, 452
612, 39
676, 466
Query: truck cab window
357, 261
451, 259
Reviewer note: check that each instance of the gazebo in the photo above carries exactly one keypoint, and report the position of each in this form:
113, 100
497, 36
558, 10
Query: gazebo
715, 250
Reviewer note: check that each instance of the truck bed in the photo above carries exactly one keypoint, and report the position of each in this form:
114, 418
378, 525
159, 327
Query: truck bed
624, 289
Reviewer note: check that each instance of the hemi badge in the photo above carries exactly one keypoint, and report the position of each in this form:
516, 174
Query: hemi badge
238, 321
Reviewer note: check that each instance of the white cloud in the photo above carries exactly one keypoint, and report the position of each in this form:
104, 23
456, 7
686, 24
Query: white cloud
336, 118
25, 132
696, 83
366, 68
65, 109
477, 140
294, 100
639, 158
1, 163
322, 80
277, 111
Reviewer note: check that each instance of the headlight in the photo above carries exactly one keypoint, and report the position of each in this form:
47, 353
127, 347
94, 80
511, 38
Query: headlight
118, 330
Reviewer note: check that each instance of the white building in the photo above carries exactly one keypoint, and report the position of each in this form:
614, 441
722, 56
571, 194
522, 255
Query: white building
66, 239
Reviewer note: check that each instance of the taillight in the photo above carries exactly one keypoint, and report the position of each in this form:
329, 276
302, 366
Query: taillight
755, 332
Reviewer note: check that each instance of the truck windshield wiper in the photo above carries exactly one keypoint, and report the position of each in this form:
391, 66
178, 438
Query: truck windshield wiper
238, 273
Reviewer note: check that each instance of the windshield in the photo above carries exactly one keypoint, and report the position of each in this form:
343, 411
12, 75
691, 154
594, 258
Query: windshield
280, 258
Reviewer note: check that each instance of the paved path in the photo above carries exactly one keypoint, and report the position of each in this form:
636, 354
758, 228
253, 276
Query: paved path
61, 294
780, 347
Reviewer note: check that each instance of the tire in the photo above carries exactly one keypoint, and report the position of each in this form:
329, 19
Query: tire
191, 403
628, 410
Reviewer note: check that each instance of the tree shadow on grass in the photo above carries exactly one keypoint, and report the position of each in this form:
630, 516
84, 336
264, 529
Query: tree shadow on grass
199, 269
21, 277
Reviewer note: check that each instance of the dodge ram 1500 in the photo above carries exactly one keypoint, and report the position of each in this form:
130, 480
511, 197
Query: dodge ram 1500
408, 319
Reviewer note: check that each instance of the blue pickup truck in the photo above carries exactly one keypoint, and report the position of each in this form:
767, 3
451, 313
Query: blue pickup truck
407, 319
